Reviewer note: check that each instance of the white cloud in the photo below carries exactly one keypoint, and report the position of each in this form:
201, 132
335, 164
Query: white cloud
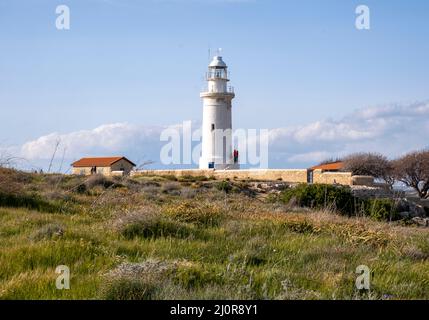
137, 142
110, 138
391, 130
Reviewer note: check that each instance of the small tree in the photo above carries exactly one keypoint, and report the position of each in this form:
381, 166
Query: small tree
330, 160
370, 164
413, 170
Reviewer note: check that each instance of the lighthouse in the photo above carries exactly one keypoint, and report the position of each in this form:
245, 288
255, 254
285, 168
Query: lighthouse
217, 149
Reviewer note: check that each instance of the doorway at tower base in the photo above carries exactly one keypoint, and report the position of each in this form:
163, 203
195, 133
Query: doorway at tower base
212, 165
219, 163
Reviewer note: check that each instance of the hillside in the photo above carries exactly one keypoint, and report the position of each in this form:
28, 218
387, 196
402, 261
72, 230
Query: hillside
156, 238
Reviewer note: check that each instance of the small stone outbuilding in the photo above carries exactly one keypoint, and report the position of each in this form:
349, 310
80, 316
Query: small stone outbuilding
107, 166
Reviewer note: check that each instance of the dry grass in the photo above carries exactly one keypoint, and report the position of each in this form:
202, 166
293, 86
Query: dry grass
200, 213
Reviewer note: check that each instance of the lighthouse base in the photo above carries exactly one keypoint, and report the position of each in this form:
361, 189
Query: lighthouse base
212, 164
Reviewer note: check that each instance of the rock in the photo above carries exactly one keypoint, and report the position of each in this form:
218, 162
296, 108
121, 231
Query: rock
404, 214
414, 209
417, 210
367, 192
424, 222
267, 187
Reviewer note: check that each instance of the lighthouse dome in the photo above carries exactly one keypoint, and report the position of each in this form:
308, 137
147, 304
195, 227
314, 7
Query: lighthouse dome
217, 62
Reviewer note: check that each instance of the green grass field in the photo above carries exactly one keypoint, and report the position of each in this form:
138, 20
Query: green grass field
154, 238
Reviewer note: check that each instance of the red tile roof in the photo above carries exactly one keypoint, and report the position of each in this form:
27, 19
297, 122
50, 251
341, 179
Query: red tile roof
329, 166
99, 162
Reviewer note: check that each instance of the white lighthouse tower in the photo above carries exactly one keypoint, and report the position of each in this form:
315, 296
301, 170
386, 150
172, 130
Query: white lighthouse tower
217, 150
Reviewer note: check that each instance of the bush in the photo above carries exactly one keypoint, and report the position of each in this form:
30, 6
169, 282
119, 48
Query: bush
144, 288
256, 253
152, 279
15, 175
224, 186
299, 226
188, 193
169, 177
341, 199
321, 196
48, 231
195, 212
381, 209
152, 225
189, 178
98, 180
34, 202
171, 188
193, 276
81, 188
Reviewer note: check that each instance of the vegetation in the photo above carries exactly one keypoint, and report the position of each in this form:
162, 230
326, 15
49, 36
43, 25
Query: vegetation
133, 240
224, 186
370, 164
320, 196
411, 169
341, 200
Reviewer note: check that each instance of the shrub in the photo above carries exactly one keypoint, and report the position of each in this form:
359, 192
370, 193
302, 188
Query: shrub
188, 193
171, 188
170, 177
143, 288
138, 281
381, 209
81, 188
189, 178
224, 186
151, 192
341, 199
34, 202
195, 212
15, 175
129, 183
98, 180
256, 253
56, 195
299, 226
152, 225
53, 179
48, 231
12, 181
193, 276
321, 196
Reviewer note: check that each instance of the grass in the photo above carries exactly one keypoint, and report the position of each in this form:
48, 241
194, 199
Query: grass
137, 241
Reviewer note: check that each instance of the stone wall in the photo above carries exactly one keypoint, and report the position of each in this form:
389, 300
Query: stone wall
86, 171
177, 173
344, 178
285, 175
362, 181
122, 165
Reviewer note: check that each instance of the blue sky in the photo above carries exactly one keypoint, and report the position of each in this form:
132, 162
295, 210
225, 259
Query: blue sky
292, 63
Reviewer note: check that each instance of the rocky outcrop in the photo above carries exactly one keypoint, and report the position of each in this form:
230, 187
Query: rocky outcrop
366, 192
423, 222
